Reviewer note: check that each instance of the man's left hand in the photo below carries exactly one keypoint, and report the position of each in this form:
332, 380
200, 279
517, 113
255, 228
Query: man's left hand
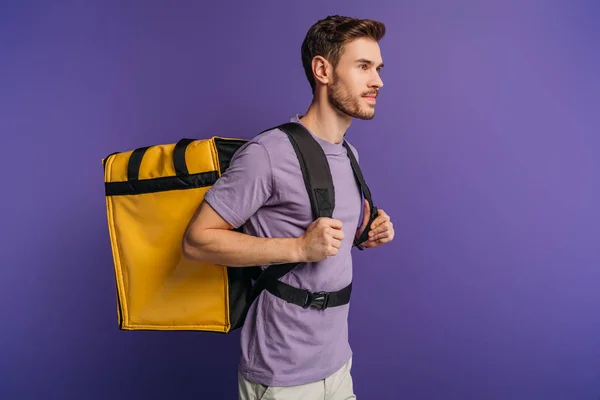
382, 228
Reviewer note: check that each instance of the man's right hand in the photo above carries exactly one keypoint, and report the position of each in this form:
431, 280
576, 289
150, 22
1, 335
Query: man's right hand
322, 239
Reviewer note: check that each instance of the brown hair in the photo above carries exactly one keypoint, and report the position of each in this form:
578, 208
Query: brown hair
327, 37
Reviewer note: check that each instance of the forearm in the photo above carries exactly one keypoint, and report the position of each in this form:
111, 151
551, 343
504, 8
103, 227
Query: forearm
235, 249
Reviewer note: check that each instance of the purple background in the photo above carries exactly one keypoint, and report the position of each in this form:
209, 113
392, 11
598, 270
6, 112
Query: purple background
484, 151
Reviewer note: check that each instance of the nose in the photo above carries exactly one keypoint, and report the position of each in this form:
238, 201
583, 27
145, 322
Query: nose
377, 81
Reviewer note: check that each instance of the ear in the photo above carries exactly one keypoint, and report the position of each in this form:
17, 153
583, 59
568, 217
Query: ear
321, 70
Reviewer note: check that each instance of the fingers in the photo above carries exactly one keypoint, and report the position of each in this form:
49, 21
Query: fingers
333, 247
382, 229
331, 235
382, 236
333, 229
333, 223
372, 243
381, 218
335, 238
336, 233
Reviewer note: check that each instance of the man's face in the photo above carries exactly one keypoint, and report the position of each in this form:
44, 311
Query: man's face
356, 80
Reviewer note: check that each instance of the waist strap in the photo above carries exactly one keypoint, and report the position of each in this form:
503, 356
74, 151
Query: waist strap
305, 298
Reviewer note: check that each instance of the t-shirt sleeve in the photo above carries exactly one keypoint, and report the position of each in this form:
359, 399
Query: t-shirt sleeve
244, 187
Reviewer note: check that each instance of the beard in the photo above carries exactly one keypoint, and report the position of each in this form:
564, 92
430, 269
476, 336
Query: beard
342, 100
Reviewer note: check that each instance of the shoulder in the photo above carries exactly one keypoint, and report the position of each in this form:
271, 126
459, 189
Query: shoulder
272, 140
260, 155
270, 147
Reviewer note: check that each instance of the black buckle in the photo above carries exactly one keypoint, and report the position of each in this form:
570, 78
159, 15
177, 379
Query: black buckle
317, 300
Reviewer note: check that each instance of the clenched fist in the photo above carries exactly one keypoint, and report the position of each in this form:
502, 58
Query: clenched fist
322, 239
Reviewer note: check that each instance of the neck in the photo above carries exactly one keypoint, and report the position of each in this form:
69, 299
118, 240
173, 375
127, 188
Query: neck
326, 122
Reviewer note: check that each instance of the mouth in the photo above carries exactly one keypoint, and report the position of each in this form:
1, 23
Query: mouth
370, 99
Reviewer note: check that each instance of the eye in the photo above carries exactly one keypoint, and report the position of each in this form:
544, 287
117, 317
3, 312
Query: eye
363, 66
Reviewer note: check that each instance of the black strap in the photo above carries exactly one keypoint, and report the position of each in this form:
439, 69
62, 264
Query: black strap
270, 274
366, 192
305, 298
315, 169
179, 157
135, 162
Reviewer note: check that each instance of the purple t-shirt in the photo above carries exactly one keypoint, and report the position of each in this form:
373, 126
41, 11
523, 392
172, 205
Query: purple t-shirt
283, 344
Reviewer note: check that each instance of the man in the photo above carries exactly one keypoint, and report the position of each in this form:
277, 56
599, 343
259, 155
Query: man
291, 352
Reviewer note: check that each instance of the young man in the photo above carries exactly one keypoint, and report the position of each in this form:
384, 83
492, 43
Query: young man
291, 352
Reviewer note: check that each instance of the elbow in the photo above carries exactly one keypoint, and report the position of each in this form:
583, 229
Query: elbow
191, 247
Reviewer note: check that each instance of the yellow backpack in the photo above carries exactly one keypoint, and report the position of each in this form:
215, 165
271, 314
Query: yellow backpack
152, 193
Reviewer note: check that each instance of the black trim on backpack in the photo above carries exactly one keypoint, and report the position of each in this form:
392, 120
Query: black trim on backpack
240, 287
226, 148
161, 184
366, 192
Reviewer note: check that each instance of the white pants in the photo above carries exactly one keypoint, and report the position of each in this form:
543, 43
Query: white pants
338, 386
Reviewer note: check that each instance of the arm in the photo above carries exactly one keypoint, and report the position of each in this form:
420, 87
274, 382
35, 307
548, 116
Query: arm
239, 193
211, 239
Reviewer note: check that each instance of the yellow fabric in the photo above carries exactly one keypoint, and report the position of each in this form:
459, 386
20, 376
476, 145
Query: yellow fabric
157, 288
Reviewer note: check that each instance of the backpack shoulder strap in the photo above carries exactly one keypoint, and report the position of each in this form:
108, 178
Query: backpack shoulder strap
315, 169
366, 192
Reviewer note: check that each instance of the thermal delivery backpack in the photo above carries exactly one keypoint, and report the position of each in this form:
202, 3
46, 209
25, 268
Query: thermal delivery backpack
151, 195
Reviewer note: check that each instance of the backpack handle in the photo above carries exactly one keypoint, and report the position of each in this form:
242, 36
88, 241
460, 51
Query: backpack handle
135, 160
179, 157
134, 163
